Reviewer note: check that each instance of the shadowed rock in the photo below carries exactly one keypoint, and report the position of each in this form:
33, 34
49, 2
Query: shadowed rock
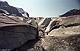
14, 32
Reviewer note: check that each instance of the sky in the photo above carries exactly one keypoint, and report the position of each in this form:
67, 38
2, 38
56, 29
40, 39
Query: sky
45, 8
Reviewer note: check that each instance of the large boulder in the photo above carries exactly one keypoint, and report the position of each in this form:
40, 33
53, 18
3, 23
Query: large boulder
14, 32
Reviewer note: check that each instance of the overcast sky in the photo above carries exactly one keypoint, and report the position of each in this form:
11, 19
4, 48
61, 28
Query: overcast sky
45, 7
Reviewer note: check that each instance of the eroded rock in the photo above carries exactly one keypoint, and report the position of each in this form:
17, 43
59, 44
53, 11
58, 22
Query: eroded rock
15, 32
54, 43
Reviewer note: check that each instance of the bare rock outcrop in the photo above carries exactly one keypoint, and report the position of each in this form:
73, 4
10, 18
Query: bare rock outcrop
65, 36
60, 41
70, 20
54, 43
14, 32
63, 22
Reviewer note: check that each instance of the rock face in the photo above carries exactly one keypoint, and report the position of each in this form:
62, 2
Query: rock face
65, 31
54, 43
14, 32
66, 37
71, 12
5, 7
71, 21
63, 21
44, 22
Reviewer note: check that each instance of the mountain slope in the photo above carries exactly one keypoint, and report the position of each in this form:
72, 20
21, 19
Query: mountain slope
71, 12
12, 10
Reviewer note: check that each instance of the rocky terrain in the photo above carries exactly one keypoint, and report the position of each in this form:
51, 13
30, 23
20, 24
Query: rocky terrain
21, 33
64, 35
71, 12
10, 10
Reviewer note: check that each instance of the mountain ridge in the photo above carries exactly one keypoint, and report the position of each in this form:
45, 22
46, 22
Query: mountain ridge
15, 11
71, 12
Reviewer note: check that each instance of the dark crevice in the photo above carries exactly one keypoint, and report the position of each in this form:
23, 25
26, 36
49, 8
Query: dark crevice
13, 19
8, 23
70, 25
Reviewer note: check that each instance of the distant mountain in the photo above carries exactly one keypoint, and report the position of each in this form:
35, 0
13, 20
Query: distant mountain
10, 10
71, 12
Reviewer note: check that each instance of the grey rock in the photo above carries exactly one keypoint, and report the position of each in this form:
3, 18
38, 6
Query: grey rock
14, 32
